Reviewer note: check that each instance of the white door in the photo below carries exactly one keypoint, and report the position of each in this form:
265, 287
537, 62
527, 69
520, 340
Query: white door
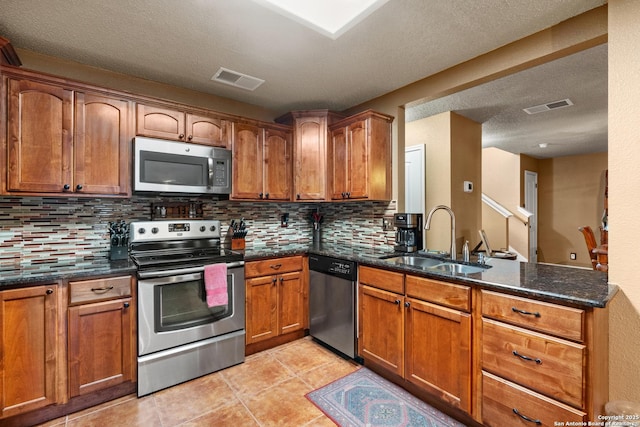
531, 205
414, 179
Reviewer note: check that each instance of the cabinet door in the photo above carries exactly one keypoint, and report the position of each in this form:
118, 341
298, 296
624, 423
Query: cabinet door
277, 165
102, 145
438, 346
101, 352
382, 328
310, 162
291, 303
338, 164
28, 322
39, 137
247, 162
358, 160
207, 130
158, 122
261, 308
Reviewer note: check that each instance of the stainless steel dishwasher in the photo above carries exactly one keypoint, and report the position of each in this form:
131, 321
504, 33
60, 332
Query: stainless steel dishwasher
332, 302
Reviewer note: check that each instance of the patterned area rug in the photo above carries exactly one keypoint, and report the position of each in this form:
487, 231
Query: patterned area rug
364, 399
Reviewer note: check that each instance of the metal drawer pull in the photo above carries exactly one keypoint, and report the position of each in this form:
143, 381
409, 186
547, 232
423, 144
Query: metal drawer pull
529, 313
276, 266
101, 290
523, 357
524, 417
397, 302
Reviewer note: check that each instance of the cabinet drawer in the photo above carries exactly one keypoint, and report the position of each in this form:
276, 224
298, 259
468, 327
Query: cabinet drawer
501, 400
268, 267
99, 289
448, 294
382, 279
543, 363
545, 317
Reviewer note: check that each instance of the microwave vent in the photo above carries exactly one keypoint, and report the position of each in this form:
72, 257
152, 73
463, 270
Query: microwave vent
234, 78
548, 106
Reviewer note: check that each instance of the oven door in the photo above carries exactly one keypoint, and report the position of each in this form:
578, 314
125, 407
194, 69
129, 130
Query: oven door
172, 310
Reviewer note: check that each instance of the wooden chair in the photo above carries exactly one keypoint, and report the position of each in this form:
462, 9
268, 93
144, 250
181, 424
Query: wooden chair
597, 254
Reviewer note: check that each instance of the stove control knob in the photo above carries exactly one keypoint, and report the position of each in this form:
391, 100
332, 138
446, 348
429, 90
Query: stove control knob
213, 228
141, 230
203, 228
155, 230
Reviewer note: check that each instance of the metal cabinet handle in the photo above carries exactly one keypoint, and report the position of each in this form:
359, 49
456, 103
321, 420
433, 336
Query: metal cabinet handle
527, 313
79, 187
266, 196
260, 195
125, 305
282, 280
276, 266
298, 196
274, 281
181, 136
407, 304
524, 417
190, 137
66, 187
527, 358
49, 291
101, 290
397, 302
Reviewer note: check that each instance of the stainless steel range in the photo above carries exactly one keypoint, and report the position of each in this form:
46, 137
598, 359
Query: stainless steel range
180, 336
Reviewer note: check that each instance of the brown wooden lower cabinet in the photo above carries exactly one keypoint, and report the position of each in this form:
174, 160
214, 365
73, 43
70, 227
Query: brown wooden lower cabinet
100, 346
427, 344
29, 349
101, 334
276, 301
500, 359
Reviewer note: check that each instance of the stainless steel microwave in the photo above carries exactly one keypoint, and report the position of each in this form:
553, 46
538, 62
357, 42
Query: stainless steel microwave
162, 166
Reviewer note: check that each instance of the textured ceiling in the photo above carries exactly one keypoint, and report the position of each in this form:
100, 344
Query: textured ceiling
184, 42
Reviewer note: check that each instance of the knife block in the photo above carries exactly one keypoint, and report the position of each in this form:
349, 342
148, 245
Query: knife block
238, 243
118, 252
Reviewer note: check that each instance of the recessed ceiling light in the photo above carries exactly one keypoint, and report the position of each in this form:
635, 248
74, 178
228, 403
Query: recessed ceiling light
543, 145
331, 18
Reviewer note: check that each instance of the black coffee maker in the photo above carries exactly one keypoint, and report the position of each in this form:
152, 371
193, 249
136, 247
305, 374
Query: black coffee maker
408, 232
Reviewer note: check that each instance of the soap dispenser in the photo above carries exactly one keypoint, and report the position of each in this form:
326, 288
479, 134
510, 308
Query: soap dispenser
465, 251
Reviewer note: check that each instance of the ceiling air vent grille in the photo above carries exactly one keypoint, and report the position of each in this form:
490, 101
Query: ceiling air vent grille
549, 106
234, 78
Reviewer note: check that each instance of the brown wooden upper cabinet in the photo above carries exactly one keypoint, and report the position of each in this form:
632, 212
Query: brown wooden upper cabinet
359, 157
262, 162
340, 158
62, 141
167, 123
310, 129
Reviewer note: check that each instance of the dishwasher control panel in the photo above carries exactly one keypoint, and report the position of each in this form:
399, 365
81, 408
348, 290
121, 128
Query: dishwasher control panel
340, 267
333, 266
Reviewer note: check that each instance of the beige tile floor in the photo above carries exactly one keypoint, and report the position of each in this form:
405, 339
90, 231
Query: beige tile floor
268, 389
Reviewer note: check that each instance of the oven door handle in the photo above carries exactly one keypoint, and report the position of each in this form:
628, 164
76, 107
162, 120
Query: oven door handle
181, 271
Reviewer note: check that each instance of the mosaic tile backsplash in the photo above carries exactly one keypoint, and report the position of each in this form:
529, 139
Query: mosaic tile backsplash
36, 230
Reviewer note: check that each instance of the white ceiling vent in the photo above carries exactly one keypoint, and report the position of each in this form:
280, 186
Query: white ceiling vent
234, 78
549, 106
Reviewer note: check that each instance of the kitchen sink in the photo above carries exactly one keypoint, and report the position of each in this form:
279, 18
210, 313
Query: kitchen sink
452, 267
435, 264
414, 261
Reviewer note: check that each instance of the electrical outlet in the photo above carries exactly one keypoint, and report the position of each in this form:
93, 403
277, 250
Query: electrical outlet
386, 224
572, 256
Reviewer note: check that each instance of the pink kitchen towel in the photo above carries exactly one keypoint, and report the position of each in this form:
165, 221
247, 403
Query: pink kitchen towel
215, 283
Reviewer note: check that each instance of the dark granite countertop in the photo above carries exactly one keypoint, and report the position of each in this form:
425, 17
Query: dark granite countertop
565, 285
33, 274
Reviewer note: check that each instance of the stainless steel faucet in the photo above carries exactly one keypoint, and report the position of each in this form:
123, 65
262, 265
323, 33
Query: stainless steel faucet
453, 226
